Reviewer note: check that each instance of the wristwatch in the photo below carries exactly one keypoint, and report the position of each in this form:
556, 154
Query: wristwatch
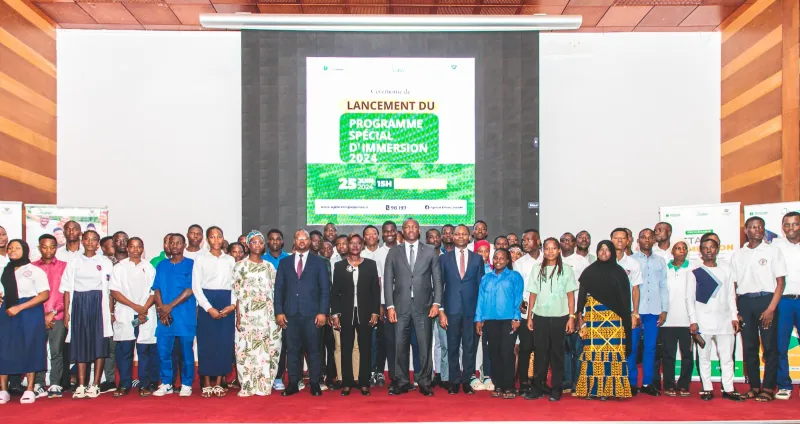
572, 316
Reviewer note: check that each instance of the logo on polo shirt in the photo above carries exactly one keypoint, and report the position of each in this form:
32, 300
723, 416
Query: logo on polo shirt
762, 261
27, 273
627, 271
99, 268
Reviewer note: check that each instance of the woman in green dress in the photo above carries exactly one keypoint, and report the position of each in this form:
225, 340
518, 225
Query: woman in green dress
258, 337
604, 314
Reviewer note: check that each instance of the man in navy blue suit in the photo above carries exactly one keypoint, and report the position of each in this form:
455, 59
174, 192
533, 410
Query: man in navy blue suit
302, 303
462, 271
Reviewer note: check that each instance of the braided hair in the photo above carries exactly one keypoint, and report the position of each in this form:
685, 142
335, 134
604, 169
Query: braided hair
557, 269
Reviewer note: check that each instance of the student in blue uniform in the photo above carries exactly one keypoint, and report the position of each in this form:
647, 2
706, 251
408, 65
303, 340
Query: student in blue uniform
177, 310
22, 332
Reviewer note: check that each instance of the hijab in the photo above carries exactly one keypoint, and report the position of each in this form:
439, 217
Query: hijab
484, 243
608, 283
9, 278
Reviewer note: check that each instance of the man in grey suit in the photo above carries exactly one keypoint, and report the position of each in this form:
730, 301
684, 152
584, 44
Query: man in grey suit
413, 292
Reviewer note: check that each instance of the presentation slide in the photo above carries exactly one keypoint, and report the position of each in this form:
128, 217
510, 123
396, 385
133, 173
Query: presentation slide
390, 138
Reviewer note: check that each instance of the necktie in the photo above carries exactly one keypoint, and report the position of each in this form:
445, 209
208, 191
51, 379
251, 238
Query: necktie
411, 257
300, 266
461, 266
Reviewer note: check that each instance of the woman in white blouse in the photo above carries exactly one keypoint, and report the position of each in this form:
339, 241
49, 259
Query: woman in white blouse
211, 283
22, 331
675, 331
88, 312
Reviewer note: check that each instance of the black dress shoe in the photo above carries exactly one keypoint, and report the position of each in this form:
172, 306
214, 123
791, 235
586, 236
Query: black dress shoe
411, 387
650, 390
634, 390
445, 385
468, 390
365, 391
346, 391
290, 390
337, 385
453, 390
533, 394
425, 390
523, 388
437, 379
708, 395
395, 390
316, 390
555, 396
734, 396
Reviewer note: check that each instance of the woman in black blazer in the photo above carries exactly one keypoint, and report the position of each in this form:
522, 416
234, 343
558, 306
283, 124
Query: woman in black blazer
355, 303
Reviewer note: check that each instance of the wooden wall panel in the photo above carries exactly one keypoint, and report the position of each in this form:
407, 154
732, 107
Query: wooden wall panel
760, 98
27, 104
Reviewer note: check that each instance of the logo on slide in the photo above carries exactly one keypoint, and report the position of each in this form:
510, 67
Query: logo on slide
324, 68
453, 67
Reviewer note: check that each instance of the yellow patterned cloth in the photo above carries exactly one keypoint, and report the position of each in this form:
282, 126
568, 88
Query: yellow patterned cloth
604, 370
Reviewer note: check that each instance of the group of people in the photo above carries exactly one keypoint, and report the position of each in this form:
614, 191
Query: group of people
351, 308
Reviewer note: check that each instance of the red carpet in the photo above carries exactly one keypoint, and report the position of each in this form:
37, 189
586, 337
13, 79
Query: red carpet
380, 407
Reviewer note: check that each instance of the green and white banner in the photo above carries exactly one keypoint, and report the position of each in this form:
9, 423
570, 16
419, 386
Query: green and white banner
390, 138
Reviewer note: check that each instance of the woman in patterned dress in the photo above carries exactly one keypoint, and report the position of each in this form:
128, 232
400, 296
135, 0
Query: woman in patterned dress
604, 314
258, 337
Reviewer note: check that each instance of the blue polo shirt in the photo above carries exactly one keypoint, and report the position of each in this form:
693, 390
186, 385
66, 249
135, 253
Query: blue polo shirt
273, 260
172, 280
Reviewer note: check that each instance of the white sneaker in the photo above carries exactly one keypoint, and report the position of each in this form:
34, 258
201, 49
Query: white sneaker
39, 391
278, 384
476, 384
4, 397
28, 397
783, 394
93, 392
488, 385
186, 391
79, 393
163, 390
301, 386
323, 387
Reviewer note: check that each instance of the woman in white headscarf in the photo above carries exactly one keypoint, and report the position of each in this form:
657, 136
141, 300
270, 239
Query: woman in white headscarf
258, 337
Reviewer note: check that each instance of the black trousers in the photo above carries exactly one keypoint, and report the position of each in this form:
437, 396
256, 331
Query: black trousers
501, 341
282, 358
326, 354
350, 331
302, 336
525, 352
753, 335
548, 335
671, 337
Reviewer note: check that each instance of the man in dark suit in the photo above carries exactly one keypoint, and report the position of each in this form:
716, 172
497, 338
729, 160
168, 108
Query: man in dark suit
462, 271
413, 292
302, 294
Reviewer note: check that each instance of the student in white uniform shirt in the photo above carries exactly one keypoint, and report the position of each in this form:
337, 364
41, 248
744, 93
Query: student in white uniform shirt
574, 344
675, 330
711, 305
663, 246
583, 241
135, 320
760, 272
88, 318
789, 306
531, 244
194, 242
212, 276
73, 248
23, 349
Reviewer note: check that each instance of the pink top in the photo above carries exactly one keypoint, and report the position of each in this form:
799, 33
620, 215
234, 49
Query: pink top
54, 271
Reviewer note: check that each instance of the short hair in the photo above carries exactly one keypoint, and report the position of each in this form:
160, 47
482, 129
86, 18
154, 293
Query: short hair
313, 233
352, 237
212, 228
583, 231
136, 239
364, 232
645, 229
307, 233
480, 221
703, 240
166, 237
665, 223
47, 237
58, 229
410, 219
118, 233
195, 226
326, 242
619, 229
236, 243
72, 222
498, 238
508, 256
182, 237
389, 223
332, 225
448, 226
511, 234
792, 214
530, 230
102, 240
432, 229
462, 225
275, 231
753, 218
341, 236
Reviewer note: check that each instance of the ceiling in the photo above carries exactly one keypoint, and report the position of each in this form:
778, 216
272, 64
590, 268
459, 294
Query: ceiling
598, 15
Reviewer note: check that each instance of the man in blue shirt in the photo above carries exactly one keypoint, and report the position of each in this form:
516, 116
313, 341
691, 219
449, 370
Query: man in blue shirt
177, 313
653, 306
274, 255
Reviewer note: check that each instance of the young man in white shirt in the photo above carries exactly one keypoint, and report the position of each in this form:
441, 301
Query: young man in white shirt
789, 305
663, 246
531, 243
583, 240
385, 348
619, 237
760, 272
73, 248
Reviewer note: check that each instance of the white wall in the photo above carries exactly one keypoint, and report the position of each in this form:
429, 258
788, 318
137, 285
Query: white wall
629, 122
149, 124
